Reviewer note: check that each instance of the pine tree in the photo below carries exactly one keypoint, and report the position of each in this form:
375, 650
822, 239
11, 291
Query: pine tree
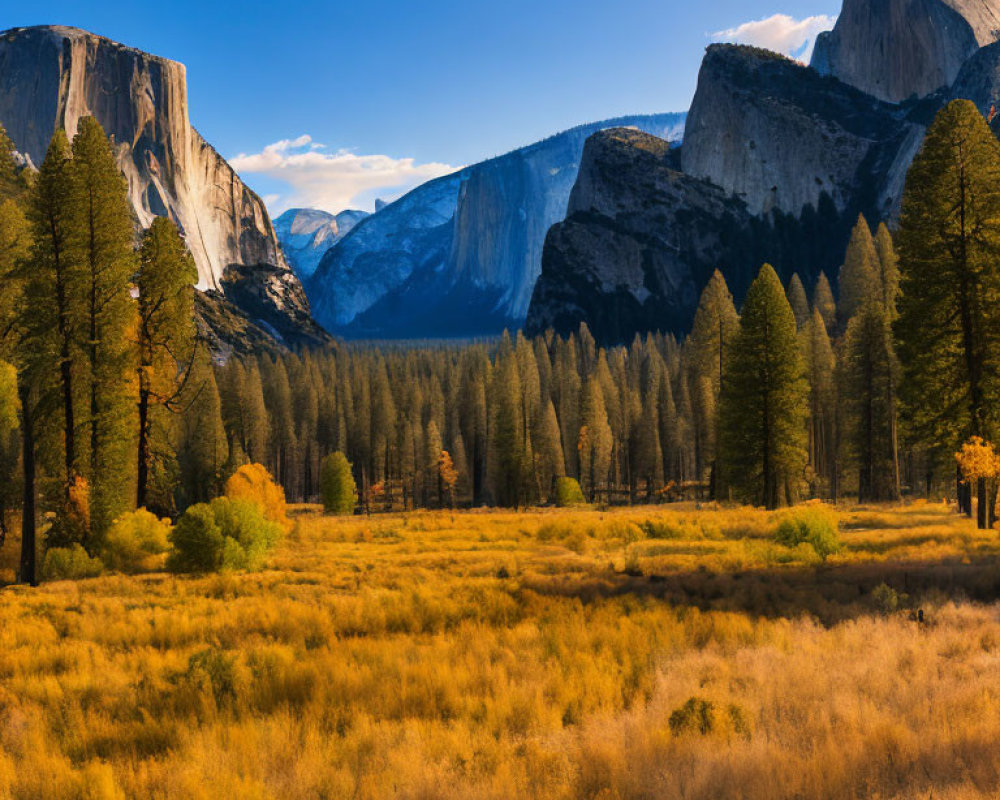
764, 399
859, 276
166, 340
869, 369
824, 303
888, 269
821, 365
506, 436
595, 439
201, 445
949, 304
101, 239
15, 246
715, 326
51, 314
798, 301
548, 451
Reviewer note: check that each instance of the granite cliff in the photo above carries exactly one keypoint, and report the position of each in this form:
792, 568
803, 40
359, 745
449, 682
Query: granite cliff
898, 49
52, 76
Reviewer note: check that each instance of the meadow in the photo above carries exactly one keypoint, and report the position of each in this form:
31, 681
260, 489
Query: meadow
660, 652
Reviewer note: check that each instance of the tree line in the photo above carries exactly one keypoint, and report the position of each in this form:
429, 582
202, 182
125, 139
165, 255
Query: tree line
109, 401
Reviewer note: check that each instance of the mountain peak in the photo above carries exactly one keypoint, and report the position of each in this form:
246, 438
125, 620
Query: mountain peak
898, 49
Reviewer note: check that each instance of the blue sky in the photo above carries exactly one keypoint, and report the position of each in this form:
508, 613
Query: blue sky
370, 97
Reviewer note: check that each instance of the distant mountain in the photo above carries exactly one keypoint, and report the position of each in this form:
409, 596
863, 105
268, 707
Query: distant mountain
52, 76
460, 255
306, 234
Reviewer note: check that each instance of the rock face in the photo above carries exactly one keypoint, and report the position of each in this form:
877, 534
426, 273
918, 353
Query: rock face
780, 136
50, 77
306, 234
898, 49
458, 256
641, 240
777, 163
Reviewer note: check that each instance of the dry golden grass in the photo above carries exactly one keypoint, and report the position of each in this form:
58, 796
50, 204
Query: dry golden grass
500, 655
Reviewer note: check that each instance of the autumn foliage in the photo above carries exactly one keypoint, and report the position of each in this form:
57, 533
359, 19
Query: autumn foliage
253, 482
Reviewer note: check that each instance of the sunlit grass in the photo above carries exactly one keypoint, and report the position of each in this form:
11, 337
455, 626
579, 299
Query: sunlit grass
538, 654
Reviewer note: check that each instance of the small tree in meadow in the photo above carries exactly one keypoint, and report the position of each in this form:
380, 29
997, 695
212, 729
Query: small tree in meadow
254, 483
337, 486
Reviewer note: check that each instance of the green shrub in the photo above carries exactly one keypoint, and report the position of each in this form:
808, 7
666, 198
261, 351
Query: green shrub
135, 542
817, 527
568, 493
223, 534
704, 718
214, 671
337, 486
888, 601
70, 564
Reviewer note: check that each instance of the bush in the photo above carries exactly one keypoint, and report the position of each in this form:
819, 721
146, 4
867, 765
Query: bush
888, 601
817, 527
568, 493
253, 482
703, 717
215, 672
70, 564
337, 486
223, 534
135, 542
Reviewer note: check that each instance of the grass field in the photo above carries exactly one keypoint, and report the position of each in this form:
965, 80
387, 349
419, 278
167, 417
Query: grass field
642, 653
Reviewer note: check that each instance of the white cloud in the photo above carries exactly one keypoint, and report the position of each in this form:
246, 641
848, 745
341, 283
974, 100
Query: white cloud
780, 33
332, 181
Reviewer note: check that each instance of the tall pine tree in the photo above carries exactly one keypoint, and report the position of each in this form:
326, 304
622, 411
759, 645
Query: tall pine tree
948, 330
764, 400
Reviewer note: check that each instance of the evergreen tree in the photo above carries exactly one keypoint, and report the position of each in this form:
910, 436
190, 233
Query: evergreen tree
888, 269
860, 274
595, 440
715, 326
949, 304
506, 436
15, 245
202, 448
548, 450
101, 241
798, 301
824, 303
166, 341
869, 371
51, 313
764, 399
821, 366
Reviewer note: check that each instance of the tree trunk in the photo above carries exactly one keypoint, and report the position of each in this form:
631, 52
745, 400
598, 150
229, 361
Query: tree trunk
28, 569
142, 468
982, 511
